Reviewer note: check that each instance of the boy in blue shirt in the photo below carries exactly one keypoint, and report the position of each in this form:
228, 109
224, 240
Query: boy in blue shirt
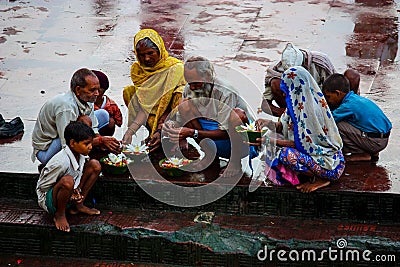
67, 178
363, 126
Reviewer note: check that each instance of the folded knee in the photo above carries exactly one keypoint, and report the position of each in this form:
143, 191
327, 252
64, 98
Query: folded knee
67, 182
94, 165
103, 117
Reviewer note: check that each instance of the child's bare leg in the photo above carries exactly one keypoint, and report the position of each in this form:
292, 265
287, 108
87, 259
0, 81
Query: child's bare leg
90, 174
61, 194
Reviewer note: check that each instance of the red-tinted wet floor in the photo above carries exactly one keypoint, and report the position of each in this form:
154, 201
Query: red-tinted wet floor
42, 48
279, 228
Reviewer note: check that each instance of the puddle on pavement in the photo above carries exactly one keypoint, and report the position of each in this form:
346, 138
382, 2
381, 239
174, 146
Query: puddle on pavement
375, 36
375, 3
364, 176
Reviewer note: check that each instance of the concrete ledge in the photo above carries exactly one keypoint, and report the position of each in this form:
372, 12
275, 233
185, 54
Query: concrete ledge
327, 203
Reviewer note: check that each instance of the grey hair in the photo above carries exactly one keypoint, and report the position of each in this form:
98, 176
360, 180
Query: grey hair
203, 67
146, 42
79, 78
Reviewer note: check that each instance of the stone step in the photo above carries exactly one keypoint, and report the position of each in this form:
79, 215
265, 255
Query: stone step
174, 238
42, 261
327, 203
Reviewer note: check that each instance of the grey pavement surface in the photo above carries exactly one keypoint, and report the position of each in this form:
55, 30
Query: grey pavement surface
44, 42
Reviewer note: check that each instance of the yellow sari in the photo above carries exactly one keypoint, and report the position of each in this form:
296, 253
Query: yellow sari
155, 89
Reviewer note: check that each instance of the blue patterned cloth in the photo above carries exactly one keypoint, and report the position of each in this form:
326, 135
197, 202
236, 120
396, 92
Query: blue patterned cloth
308, 122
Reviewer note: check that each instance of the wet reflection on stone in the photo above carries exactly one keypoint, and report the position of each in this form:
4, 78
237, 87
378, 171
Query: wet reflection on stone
102, 7
375, 36
375, 3
364, 176
12, 139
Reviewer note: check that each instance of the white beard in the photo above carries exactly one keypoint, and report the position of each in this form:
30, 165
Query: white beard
203, 94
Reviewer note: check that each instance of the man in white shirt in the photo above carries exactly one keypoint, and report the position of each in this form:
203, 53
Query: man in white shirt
55, 114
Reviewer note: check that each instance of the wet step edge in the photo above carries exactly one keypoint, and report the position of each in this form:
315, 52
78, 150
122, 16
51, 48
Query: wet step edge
265, 201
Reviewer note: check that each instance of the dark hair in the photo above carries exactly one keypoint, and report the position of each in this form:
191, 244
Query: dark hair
103, 79
79, 78
336, 81
77, 131
146, 42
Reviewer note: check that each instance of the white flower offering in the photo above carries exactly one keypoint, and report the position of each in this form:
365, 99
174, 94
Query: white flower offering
175, 161
137, 149
116, 160
248, 127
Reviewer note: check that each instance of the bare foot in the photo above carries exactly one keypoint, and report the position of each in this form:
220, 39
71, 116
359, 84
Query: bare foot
310, 187
358, 157
91, 211
61, 222
231, 171
73, 211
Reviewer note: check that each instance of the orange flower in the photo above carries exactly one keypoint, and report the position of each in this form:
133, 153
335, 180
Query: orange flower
291, 75
323, 103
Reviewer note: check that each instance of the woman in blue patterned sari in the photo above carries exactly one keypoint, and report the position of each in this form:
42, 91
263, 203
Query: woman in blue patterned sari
311, 144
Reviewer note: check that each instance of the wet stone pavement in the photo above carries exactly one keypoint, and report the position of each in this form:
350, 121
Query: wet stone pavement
43, 42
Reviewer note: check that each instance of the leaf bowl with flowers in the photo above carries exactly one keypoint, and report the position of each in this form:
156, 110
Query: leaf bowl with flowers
250, 132
136, 151
172, 166
115, 164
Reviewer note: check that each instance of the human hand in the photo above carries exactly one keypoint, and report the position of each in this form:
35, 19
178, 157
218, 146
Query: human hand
261, 123
127, 139
178, 134
258, 142
112, 144
76, 196
264, 140
154, 142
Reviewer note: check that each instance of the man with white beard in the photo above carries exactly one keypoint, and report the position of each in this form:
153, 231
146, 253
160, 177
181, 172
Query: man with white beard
210, 109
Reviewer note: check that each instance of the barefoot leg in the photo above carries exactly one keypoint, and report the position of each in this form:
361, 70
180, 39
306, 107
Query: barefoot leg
62, 192
73, 211
90, 174
239, 149
61, 222
90, 211
234, 169
310, 187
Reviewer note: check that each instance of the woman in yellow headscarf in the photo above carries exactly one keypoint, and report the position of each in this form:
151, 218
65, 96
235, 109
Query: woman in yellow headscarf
157, 88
